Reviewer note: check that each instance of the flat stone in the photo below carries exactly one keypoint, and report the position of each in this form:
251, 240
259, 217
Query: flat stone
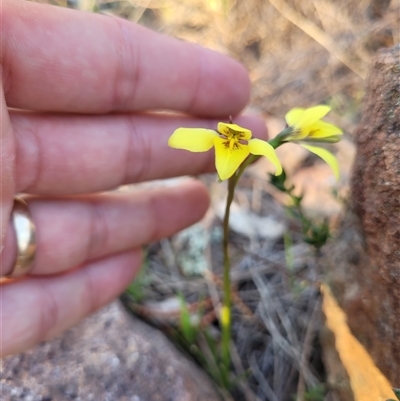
109, 356
316, 185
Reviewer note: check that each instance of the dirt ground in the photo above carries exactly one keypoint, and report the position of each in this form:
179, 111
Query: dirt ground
298, 54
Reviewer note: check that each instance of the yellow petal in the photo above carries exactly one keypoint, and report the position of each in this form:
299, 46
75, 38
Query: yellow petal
226, 129
293, 116
312, 115
326, 156
321, 129
227, 161
192, 139
261, 148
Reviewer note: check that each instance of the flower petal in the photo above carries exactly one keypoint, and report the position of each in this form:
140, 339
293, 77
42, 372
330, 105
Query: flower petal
227, 161
321, 129
312, 115
226, 129
293, 116
262, 148
192, 139
326, 156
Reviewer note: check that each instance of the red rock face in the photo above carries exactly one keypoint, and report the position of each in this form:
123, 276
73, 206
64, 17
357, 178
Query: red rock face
364, 264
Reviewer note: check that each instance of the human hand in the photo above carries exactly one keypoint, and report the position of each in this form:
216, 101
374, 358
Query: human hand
78, 104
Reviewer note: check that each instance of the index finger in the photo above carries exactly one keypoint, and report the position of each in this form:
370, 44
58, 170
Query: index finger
56, 59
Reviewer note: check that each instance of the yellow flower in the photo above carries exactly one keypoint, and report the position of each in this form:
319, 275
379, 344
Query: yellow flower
305, 125
232, 146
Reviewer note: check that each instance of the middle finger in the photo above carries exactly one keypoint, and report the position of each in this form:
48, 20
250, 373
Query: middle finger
65, 155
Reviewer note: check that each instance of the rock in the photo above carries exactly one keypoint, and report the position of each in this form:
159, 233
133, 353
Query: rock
191, 247
316, 184
110, 356
363, 265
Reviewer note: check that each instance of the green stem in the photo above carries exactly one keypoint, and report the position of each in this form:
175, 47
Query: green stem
247, 162
226, 320
226, 311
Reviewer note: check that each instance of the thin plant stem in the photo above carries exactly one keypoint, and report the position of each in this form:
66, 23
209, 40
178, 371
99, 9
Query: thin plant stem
226, 314
226, 310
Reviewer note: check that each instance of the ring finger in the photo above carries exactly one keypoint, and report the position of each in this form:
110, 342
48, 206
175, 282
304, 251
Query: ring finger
73, 231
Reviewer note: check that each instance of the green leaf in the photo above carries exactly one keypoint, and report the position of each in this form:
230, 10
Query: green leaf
188, 330
317, 235
278, 181
316, 393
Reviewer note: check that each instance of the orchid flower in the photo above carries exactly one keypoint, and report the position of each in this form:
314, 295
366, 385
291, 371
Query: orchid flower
305, 125
232, 143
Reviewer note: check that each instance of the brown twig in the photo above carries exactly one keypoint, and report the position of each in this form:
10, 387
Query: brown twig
305, 355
